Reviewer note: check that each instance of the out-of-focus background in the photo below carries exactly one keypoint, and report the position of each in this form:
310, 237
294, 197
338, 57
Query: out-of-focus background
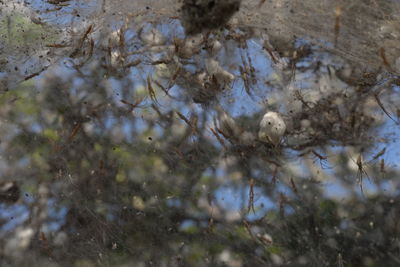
130, 133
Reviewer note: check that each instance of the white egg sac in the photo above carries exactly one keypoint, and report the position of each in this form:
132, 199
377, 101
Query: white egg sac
272, 128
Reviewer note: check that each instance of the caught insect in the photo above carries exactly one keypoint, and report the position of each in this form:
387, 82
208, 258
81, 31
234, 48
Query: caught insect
247, 73
57, 45
384, 59
250, 205
226, 136
293, 62
282, 202
165, 90
37, 21
183, 118
382, 167
323, 160
298, 95
379, 154
161, 61
294, 187
338, 14
133, 63
35, 74
245, 77
59, 7
91, 48
45, 244
271, 53
74, 132
152, 93
275, 174
56, 2
260, 3
82, 41
220, 140
134, 105
121, 41
248, 228
192, 123
173, 78
210, 224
